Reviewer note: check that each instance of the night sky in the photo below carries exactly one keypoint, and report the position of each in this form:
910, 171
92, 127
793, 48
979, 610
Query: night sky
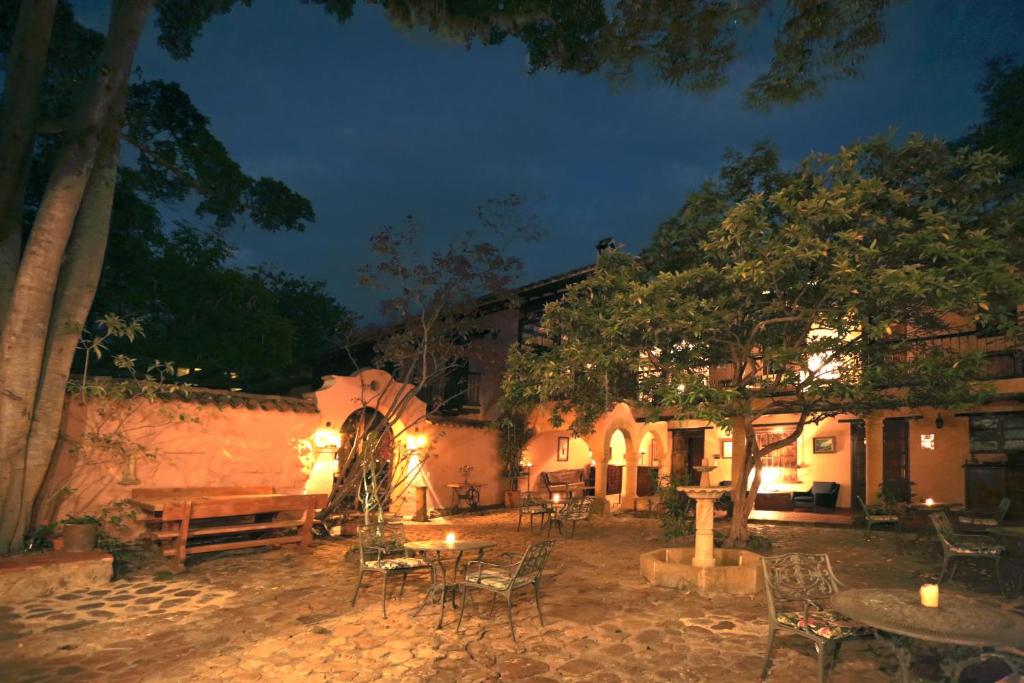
372, 124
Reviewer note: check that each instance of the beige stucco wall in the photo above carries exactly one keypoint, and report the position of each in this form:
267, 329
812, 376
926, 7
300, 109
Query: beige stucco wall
189, 445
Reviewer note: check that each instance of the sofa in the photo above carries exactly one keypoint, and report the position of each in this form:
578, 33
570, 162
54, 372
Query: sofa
821, 496
565, 482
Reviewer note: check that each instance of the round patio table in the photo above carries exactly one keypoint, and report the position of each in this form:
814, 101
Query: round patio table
958, 620
439, 547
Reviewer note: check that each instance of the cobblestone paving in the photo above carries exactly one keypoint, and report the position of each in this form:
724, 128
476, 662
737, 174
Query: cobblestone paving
283, 615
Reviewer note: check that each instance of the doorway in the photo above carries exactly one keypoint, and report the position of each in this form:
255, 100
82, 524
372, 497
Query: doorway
858, 461
687, 452
896, 457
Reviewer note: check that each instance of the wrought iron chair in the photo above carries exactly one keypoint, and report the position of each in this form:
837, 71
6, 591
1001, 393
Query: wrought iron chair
505, 579
799, 588
876, 518
576, 510
532, 507
982, 521
955, 546
381, 550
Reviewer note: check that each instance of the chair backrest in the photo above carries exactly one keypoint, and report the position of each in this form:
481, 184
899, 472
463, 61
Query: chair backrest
824, 487
797, 578
388, 537
942, 527
533, 560
1004, 507
579, 508
863, 505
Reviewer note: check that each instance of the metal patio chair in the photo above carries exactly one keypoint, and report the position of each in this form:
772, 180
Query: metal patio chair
799, 588
956, 546
381, 550
505, 579
532, 507
876, 518
576, 510
981, 521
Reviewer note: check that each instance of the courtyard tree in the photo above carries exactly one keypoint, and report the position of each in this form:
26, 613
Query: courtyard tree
810, 293
49, 279
434, 306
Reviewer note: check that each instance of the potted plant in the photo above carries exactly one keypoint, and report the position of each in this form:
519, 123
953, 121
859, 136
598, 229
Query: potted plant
513, 434
80, 532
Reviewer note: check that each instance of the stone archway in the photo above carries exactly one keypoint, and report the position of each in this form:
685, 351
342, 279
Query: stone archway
651, 457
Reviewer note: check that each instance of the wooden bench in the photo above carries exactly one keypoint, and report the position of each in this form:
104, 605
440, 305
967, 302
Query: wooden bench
206, 518
569, 482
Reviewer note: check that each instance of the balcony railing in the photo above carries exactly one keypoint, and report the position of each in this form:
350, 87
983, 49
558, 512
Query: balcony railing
1002, 359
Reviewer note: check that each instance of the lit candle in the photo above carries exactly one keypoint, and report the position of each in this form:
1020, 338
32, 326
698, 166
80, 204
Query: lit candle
449, 540
930, 595
556, 498
929, 502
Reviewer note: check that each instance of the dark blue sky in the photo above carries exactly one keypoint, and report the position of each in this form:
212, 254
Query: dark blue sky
372, 124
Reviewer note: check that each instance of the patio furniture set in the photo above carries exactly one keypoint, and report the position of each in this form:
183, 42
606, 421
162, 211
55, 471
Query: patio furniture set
563, 514
806, 599
383, 549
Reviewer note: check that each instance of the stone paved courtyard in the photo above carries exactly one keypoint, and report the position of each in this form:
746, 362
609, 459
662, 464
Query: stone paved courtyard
282, 615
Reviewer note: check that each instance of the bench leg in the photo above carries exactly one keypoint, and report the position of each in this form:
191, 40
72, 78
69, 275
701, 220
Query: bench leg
181, 543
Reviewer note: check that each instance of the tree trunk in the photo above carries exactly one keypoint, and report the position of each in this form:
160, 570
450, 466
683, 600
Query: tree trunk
23, 69
27, 326
78, 281
743, 500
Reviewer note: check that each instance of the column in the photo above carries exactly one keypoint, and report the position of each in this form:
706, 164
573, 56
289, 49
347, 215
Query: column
873, 454
629, 478
601, 483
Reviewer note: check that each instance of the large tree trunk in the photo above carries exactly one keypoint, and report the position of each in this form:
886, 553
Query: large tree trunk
24, 68
24, 335
742, 498
78, 281
19, 111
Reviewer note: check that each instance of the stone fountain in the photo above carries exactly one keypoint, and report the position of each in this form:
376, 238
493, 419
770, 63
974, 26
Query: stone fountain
703, 567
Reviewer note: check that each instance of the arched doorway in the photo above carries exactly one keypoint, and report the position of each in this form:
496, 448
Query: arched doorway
648, 464
366, 436
618, 443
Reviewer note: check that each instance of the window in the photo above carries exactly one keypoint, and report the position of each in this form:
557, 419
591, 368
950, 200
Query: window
997, 432
784, 459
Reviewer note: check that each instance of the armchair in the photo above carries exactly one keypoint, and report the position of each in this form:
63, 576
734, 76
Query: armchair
381, 550
822, 494
799, 588
504, 579
955, 546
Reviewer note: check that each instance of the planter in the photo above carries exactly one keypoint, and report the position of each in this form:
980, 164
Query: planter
512, 499
79, 538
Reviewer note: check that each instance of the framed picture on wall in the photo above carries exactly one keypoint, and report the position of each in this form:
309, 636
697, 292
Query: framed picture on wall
727, 449
824, 444
563, 449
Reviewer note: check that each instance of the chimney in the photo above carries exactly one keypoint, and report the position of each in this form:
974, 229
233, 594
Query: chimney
607, 245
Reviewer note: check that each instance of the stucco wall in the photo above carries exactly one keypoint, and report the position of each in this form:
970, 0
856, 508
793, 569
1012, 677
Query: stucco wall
189, 445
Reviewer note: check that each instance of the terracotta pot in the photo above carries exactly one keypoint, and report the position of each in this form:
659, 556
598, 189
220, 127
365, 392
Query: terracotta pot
80, 538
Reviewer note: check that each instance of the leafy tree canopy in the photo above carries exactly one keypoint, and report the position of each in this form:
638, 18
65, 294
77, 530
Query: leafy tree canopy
1002, 130
808, 295
686, 43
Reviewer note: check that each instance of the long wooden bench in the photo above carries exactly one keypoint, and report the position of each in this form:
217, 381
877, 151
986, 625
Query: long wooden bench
182, 521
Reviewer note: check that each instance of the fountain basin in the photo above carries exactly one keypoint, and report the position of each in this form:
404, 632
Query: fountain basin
736, 572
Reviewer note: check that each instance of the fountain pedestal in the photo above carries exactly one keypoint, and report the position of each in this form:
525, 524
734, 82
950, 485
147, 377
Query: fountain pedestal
704, 568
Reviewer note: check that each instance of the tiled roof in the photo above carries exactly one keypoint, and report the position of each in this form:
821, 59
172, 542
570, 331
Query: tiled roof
238, 399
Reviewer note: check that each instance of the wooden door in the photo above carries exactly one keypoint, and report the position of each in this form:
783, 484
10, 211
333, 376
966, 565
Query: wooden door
858, 462
896, 455
687, 452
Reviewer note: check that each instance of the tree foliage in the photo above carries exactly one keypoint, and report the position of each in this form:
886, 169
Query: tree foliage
813, 293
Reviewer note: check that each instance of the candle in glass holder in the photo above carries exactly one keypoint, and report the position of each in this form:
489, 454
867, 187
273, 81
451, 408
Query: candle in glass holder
555, 498
929, 502
449, 540
930, 595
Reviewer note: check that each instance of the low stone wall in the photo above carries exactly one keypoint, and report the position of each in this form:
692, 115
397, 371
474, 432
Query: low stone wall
736, 572
35, 575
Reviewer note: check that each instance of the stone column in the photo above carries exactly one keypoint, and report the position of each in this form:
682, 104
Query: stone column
601, 483
629, 479
704, 538
873, 470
